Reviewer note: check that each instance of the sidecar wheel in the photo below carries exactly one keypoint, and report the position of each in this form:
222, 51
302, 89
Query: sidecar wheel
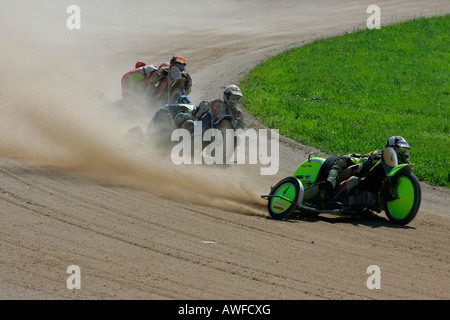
291, 189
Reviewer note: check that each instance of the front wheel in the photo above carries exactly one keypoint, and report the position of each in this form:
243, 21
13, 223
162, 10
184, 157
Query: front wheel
226, 145
228, 141
405, 206
283, 198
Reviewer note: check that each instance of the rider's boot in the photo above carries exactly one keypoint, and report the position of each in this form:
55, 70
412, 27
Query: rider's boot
325, 190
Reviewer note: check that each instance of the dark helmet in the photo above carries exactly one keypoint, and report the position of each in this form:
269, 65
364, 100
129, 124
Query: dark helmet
401, 147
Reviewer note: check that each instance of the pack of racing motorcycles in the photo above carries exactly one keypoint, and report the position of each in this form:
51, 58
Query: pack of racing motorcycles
348, 184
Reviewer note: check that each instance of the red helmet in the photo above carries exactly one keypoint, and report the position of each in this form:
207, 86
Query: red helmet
140, 64
178, 60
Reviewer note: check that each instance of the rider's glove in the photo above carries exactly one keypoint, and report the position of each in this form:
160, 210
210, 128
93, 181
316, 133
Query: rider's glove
201, 109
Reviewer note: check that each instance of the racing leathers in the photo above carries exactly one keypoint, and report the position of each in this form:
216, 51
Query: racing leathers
340, 174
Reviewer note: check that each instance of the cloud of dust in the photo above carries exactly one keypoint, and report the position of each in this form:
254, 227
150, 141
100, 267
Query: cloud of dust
52, 115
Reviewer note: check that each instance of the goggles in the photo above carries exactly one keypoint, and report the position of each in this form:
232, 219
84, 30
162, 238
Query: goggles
179, 66
235, 99
404, 153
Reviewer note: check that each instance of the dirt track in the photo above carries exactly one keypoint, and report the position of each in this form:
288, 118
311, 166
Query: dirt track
72, 192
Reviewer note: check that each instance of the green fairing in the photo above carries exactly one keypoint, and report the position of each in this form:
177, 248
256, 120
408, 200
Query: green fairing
308, 170
398, 168
357, 160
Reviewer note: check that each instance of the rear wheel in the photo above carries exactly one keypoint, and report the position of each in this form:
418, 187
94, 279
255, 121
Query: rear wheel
403, 209
226, 146
288, 188
175, 94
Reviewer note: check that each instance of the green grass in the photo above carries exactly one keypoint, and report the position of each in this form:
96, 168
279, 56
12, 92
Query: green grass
351, 93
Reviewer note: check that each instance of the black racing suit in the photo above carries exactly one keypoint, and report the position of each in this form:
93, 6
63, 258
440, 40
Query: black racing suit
333, 169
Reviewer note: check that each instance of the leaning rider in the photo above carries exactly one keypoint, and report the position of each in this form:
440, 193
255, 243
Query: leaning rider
232, 99
337, 168
134, 82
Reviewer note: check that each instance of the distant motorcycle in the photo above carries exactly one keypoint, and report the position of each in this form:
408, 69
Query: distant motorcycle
162, 125
395, 190
162, 86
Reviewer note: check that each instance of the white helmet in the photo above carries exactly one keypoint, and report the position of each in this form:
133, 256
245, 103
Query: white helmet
232, 95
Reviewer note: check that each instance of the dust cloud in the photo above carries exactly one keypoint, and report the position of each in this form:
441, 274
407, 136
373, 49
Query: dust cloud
53, 116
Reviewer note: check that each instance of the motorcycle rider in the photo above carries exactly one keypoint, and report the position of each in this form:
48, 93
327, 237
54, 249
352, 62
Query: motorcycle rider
232, 98
163, 71
339, 168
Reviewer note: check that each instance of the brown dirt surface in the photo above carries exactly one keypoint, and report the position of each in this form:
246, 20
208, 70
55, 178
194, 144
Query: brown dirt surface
73, 191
